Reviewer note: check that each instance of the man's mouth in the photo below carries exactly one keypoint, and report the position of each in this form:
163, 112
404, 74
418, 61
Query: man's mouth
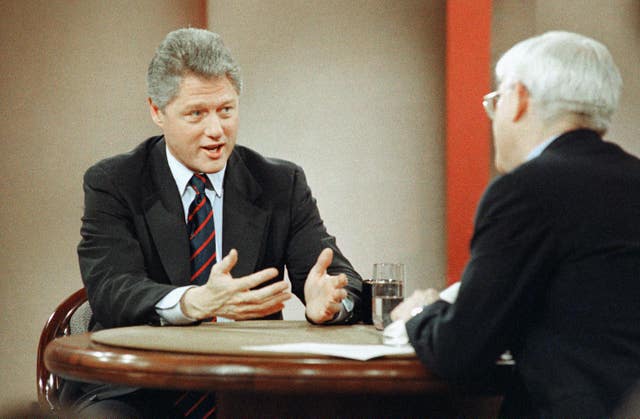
214, 151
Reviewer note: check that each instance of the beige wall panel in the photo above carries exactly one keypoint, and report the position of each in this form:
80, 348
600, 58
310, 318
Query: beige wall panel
354, 93
73, 92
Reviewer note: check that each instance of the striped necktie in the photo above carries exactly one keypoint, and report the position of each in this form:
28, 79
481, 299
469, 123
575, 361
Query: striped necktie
193, 404
201, 230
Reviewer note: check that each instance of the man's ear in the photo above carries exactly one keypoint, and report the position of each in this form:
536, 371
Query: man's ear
523, 98
156, 113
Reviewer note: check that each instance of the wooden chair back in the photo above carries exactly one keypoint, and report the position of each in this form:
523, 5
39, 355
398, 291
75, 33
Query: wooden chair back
70, 317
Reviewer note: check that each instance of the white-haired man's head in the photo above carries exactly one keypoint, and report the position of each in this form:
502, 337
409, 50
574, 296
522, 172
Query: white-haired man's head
567, 74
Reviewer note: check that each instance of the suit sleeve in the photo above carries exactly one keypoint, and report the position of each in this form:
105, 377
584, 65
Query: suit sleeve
511, 251
307, 238
111, 260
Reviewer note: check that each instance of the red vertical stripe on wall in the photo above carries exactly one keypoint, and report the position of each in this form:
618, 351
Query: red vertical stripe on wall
204, 7
468, 78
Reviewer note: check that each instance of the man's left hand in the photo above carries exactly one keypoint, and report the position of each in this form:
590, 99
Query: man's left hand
420, 298
324, 293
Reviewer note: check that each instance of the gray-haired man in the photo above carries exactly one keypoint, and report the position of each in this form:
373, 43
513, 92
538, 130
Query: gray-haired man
554, 273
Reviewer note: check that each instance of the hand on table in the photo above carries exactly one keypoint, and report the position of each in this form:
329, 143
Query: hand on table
234, 298
323, 293
419, 298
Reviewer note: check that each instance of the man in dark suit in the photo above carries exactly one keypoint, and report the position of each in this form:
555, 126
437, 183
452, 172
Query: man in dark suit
139, 264
554, 273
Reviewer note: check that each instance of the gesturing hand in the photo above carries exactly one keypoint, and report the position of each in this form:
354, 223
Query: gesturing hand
323, 293
419, 298
234, 298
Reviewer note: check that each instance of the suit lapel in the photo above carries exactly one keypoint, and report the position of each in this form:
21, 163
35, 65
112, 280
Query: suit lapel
244, 223
165, 217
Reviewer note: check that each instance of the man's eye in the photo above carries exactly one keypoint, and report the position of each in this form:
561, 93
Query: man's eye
226, 111
195, 115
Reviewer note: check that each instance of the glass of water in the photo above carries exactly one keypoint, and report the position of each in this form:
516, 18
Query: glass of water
387, 291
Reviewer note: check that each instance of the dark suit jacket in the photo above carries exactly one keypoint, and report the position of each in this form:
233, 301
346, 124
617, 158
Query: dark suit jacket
554, 276
135, 248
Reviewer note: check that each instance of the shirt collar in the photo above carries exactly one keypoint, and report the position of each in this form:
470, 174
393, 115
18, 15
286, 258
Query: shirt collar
181, 175
537, 150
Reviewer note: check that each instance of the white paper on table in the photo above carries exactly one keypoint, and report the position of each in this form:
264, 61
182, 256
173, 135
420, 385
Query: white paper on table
357, 352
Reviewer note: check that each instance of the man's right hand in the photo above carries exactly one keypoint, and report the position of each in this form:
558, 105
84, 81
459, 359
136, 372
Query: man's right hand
420, 298
234, 298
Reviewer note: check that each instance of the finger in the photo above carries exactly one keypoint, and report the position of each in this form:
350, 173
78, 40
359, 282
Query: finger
417, 294
418, 298
403, 310
254, 314
261, 294
431, 296
324, 260
264, 303
226, 264
274, 299
262, 312
339, 281
269, 306
339, 295
255, 279
335, 307
398, 311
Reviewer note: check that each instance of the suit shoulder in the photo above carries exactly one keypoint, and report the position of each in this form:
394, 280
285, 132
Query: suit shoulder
269, 171
256, 160
125, 166
533, 177
519, 188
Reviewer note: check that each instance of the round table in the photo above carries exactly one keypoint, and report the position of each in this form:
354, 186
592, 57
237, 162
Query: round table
277, 385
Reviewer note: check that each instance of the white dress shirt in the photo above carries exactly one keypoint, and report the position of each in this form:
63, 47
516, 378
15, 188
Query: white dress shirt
537, 150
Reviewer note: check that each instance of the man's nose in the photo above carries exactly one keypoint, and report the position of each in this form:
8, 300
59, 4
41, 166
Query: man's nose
213, 128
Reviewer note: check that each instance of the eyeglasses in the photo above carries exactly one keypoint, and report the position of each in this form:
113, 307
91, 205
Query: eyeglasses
489, 103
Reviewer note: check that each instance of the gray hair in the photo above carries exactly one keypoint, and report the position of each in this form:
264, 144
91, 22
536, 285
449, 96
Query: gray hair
188, 51
566, 73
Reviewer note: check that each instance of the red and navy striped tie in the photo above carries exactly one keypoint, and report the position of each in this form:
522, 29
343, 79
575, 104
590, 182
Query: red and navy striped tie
193, 404
201, 231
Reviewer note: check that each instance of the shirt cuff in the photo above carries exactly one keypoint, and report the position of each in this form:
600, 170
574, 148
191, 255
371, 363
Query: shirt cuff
169, 308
